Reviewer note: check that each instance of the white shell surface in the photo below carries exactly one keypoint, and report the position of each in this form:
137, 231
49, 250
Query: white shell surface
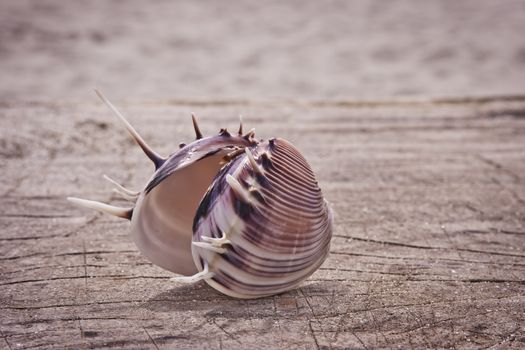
163, 215
162, 218
267, 235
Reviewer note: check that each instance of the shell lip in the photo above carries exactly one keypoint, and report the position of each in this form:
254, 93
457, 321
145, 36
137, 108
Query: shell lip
194, 152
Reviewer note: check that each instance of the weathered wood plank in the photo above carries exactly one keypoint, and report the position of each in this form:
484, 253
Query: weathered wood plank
428, 248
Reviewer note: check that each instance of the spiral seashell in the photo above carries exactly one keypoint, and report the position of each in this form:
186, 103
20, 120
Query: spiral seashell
246, 216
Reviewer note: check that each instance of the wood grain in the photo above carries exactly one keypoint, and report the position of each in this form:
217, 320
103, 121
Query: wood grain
428, 248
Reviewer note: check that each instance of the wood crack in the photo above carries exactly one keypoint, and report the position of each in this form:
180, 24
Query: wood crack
407, 245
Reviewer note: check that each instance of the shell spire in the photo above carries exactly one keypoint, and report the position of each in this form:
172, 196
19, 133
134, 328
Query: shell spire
154, 156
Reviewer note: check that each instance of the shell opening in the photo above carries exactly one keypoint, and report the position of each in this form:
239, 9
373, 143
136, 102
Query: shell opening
164, 216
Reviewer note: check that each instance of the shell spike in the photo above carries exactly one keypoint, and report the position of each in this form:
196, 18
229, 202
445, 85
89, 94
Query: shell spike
125, 196
238, 189
124, 213
240, 125
203, 275
254, 164
154, 156
210, 246
231, 155
198, 134
121, 188
217, 242
249, 134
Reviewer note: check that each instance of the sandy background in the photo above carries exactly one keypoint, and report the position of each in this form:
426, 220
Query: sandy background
60, 50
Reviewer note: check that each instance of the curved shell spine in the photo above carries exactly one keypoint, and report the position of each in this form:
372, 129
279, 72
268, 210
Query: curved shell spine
263, 227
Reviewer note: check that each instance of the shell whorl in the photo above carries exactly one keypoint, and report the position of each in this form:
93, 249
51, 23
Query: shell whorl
272, 232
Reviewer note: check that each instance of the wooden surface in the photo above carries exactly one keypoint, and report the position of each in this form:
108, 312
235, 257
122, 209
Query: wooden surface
428, 248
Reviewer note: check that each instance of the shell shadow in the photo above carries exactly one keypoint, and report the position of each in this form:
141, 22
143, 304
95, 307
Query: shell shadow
183, 298
202, 298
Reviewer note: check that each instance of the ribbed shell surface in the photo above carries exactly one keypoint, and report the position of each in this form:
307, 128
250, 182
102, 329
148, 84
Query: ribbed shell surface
278, 227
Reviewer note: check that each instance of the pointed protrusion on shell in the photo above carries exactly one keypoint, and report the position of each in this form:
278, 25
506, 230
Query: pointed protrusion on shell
217, 242
238, 189
224, 132
182, 145
271, 144
125, 196
254, 164
228, 157
154, 156
240, 125
249, 134
121, 188
210, 247
124, 213
198, 134
266, 161
199, 276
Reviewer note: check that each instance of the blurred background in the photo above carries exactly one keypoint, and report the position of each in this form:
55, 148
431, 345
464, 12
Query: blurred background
61, 50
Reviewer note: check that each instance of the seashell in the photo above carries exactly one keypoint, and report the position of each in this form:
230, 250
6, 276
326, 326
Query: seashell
247, 216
